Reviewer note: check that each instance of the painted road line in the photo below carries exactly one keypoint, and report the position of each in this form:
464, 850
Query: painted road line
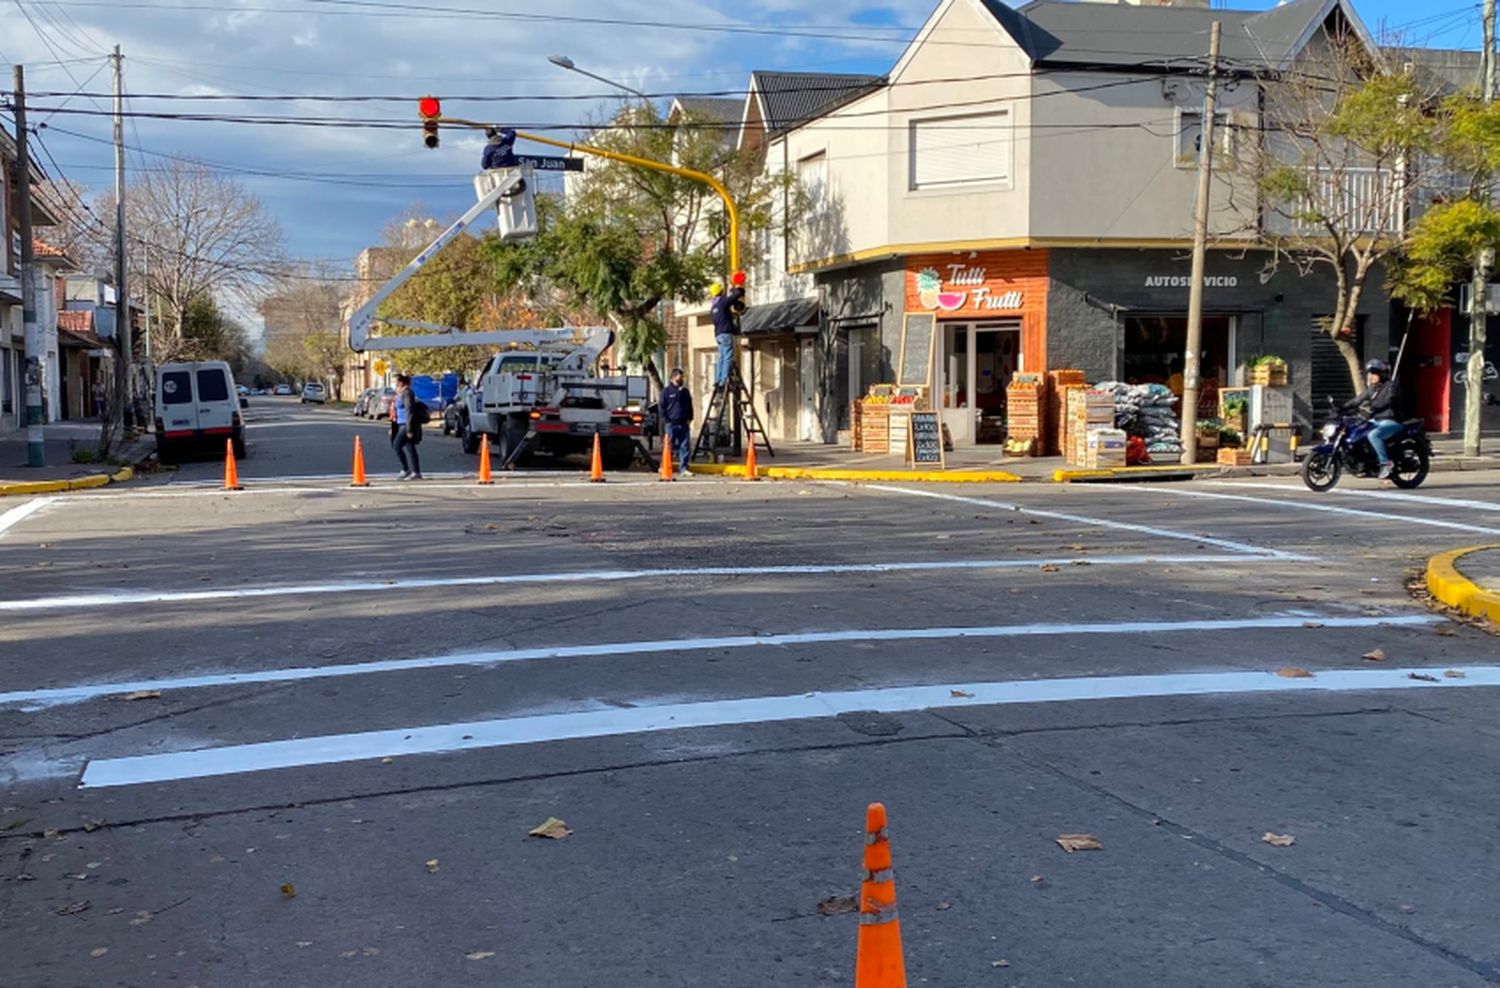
73, 694
21, 512
132, 597
1165, 533
311, 477
612, 721
1443, 502
378, 486
1300, 505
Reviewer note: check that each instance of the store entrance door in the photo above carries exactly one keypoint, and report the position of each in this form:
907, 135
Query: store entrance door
977, 364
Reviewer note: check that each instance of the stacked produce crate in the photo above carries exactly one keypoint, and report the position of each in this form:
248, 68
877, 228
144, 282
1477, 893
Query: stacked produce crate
1105, 448
1024, 410
1055, 428
1087, 410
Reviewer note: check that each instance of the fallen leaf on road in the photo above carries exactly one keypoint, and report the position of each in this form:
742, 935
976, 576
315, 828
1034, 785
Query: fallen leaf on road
1408, 908
835, 904
92, 826
98, 951
479, 955
289, 890
552, 828
1421, 676
141, 918
1000, 963
72, 908
137, 695
1079, 842
956, 694
432, 866
943, 907
1375, 655
1293, 672
1454, 674
1446, 632
303, 943
51, 832
1038, 881
1049, 568
1278, 840
1312, 624
387, 760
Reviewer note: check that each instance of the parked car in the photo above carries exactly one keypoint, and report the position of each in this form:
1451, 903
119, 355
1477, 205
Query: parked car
241, 390
362, 403
196, 409
283, 389
456, 417
380, 405
313, 391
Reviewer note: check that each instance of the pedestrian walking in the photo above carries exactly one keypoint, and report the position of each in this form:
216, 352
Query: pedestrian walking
406, 428
676, 409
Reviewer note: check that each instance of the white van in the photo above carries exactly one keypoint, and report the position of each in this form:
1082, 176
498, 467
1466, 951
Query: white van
196, 406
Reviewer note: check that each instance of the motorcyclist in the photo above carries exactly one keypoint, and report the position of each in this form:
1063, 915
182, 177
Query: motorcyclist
1378, 405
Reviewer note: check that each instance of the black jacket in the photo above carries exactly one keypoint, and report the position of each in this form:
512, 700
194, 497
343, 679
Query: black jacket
1376, 403
676, 405
725, 311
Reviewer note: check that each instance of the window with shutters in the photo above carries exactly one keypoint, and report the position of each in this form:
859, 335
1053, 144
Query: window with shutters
956, 151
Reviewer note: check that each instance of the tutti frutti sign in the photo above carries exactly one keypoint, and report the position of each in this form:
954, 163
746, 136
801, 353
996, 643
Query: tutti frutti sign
963, 286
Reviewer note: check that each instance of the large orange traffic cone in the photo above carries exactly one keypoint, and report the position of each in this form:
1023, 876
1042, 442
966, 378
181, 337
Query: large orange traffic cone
231, 472
596, 467
484, 461
750, 469
878, 962
666, 461
358, 479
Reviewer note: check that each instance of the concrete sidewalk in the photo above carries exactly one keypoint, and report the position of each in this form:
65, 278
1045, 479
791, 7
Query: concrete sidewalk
61, 440
987, 464
1468, 580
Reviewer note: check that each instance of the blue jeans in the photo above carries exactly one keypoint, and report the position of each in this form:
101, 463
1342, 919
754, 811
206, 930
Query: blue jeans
1383, 430
726, 356
680, 439
406, 447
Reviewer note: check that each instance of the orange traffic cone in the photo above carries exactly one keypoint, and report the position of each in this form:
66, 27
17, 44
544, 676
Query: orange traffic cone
231, 472
750, 469
666, 461
596, 468
484, 461
878, 962
358, 480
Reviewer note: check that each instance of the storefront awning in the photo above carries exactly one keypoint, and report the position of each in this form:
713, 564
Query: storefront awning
797, 316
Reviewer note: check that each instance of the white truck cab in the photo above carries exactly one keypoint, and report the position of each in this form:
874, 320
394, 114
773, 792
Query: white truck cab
196, 408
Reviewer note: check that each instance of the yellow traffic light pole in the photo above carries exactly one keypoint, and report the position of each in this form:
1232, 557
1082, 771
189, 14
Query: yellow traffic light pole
630, 159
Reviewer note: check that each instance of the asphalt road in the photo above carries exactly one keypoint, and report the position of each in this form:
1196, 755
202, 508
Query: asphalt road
371, 696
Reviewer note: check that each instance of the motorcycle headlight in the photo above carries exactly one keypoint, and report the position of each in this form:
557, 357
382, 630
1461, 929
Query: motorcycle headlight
1330, 430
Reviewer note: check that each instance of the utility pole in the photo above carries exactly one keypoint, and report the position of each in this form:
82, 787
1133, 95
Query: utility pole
124, 376
1479, 292
1190, 372
36, 447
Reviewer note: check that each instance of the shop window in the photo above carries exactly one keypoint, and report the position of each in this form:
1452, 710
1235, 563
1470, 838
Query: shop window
1190, 136
1156, 347
967, 150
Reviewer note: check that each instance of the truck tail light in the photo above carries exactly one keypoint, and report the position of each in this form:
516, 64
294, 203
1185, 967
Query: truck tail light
535, 416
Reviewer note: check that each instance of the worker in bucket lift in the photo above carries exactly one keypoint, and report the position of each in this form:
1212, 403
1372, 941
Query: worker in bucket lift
500, 150
725, 311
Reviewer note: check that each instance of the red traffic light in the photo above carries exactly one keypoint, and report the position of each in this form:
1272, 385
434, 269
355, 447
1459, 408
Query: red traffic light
429, 107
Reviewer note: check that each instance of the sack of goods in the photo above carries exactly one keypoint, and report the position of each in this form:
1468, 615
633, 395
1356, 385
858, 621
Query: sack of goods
1145, 410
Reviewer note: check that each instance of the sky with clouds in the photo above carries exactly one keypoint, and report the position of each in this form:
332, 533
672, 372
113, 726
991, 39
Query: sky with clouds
333, 187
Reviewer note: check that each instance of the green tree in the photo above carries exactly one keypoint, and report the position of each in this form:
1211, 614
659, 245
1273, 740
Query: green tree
456, 288
1337, 137
632, 238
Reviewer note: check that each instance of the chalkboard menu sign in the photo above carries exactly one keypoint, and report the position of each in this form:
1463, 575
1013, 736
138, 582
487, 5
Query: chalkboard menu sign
925, 439
916, 350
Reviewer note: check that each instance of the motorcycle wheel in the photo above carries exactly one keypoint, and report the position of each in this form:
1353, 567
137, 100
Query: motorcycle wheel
1321, 471
1411, 466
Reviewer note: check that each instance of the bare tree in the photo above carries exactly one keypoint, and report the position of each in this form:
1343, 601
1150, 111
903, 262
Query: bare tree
302, 326
1338, 137
194, 232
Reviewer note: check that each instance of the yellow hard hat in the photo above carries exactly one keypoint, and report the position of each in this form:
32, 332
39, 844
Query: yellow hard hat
716, 289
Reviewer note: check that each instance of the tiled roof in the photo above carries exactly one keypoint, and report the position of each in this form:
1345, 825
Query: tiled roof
789, 98
711, 107
76, 320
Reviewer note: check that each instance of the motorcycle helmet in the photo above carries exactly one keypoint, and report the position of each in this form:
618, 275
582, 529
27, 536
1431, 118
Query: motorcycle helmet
1378, 367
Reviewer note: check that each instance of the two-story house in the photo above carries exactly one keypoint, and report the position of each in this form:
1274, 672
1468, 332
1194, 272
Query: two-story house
1019, 191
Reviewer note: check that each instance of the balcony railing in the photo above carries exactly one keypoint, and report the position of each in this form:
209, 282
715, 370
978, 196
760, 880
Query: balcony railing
1356, 200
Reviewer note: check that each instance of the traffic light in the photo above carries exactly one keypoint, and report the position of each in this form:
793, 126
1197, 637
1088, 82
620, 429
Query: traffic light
430, 110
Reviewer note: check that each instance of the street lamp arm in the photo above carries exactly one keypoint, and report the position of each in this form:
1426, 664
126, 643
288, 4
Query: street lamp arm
630, 159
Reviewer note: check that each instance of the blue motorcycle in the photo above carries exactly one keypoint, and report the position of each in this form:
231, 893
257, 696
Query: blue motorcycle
1344, 447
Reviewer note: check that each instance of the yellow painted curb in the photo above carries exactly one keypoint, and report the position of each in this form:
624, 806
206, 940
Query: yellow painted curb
92, 480
1067, 476
122, 475
33, 487
821, 473
1451, 587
